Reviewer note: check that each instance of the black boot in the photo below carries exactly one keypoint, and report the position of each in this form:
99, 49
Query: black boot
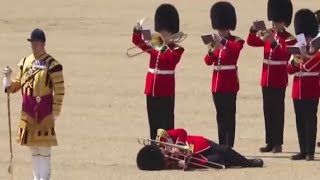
277, 149
267, 148
318, 143
254, 163
309, 157
299, 156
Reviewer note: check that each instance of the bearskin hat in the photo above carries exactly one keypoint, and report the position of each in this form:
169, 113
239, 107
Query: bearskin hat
150, 158
280, 11
318, 15
306, 22
223, 16
167, 18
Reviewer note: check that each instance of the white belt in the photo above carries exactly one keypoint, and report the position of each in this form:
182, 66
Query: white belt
272, 62
224, 67
157, 71
304, 74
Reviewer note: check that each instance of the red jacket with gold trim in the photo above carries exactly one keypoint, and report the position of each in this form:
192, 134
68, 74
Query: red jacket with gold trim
199, 143
306, 81
160, 79
275, 58
224, 60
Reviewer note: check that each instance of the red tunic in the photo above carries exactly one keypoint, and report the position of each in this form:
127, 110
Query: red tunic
199, 143
224, 60
160, 80
275, 59
306, 82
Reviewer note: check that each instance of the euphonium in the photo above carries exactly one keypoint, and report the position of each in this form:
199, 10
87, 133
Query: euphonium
157, 42
178, 37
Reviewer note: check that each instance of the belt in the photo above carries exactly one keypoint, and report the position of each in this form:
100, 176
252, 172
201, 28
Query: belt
224, 67
157, 71
273, 62
304, 74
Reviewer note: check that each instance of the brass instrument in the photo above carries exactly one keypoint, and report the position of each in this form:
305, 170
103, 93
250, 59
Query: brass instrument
262, 34
212, 46
178, 37
186, 153
157, 42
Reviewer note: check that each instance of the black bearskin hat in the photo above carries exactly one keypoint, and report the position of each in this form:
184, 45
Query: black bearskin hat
280, 11
150, 158
306, 22
318, 15
166, 18
223, 16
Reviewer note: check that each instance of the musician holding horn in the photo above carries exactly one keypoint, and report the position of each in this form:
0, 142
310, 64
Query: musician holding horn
203, 153
160, 80
306, 88
223, 54
274, 76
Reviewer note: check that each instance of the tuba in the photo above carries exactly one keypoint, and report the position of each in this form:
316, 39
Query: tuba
157, 42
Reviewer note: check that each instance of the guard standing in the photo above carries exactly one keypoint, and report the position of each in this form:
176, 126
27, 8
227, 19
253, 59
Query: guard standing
274, 77
223, 55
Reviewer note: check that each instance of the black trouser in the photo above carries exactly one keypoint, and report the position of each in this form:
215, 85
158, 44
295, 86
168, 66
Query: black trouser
160, 114
273, 109
306, 119
225, 104
224, 155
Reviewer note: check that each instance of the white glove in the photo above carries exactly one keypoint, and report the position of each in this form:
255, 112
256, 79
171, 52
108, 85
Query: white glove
6, 82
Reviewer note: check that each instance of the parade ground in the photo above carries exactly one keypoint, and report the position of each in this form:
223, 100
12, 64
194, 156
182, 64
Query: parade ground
104, 110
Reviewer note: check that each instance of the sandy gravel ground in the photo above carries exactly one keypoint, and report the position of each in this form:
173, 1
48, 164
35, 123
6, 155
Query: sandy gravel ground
104, 110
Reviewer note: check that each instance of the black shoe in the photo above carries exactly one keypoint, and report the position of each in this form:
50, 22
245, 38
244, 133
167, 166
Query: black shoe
309, 157
318, 143
277, 149
299, 156
265, 149
255, 163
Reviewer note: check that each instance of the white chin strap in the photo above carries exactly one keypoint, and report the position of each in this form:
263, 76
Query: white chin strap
41, 163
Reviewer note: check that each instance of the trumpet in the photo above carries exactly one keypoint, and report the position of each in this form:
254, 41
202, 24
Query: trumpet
157, 42
186, 153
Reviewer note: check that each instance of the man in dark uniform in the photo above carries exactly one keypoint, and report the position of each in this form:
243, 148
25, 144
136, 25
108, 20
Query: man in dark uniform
223, 56
160, 80
305, 87
274, 76
153, 157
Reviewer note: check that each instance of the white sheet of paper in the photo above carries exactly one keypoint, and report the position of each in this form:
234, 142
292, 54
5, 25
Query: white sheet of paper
301, 40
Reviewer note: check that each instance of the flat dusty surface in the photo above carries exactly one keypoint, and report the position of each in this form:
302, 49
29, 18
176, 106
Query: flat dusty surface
104, 110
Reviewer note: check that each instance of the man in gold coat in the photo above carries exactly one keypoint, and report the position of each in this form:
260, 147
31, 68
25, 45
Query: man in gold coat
41, 82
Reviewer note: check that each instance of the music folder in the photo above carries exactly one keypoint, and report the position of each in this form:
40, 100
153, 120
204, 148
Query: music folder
260, 25
146, 35
295, 50
207, 38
